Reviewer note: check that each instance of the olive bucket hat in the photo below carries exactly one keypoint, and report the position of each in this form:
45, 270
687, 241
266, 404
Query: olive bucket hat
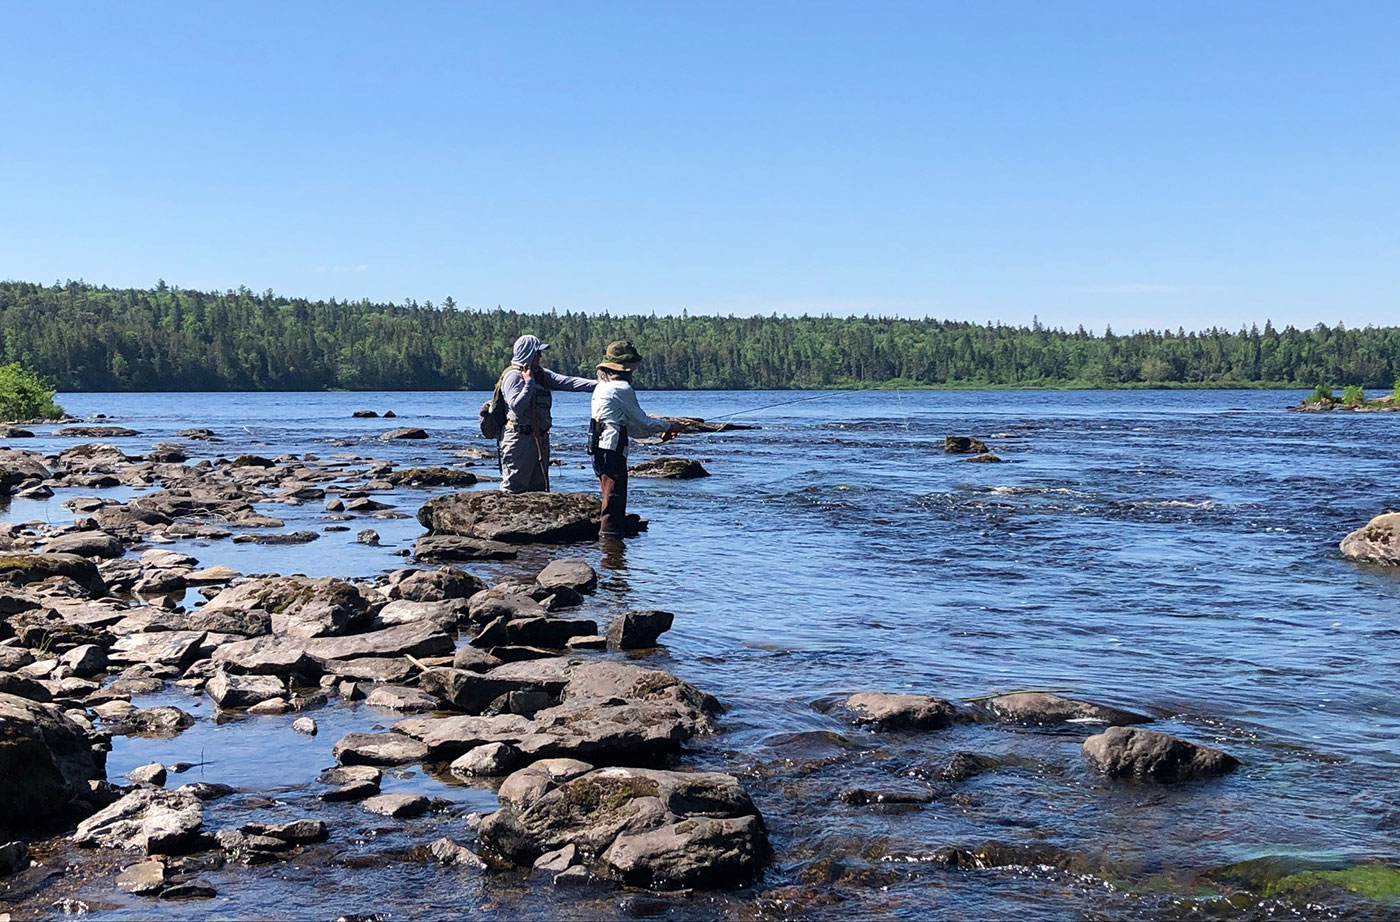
621, 356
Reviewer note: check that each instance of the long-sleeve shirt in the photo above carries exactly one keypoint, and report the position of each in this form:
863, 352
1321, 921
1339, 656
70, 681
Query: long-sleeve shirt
615, 404
529, 403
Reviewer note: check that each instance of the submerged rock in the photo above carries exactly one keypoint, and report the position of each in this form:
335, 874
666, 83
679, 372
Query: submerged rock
1378, 541
889, 711
1046, 709
643, 827
432, 477
513, 518
962, 444
406, 432
669, 469
455, 547
984, 458
1153, 756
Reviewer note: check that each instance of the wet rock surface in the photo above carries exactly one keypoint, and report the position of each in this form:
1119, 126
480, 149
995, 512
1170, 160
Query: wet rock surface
1149, 755
523, 518
669, 469
1047, 709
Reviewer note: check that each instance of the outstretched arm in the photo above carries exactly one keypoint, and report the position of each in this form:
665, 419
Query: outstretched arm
638, 422
557, 382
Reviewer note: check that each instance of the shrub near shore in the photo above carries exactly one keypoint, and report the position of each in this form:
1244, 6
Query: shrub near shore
24, 395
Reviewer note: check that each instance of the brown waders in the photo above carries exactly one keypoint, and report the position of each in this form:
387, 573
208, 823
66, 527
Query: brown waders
611, 468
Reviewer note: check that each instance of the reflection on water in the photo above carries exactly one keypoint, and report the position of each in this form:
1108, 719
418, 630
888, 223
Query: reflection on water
1169, 551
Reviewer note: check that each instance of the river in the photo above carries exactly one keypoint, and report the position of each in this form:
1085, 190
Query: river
1169, 551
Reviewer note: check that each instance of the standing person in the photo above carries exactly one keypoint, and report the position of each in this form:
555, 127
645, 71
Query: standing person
616, 417
528, 390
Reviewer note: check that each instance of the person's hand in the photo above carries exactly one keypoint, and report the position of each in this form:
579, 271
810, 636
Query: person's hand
527, 371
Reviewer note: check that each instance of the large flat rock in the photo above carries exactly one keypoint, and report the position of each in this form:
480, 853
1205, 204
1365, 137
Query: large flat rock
513, 518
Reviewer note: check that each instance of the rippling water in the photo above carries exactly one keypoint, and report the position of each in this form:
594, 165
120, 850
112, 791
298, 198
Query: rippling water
1168, 551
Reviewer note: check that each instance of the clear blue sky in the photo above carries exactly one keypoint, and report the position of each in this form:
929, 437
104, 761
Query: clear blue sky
1133, 163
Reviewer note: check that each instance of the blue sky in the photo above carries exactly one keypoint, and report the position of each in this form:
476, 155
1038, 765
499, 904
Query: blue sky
1139, 164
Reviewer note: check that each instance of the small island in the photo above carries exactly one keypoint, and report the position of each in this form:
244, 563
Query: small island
1353, 398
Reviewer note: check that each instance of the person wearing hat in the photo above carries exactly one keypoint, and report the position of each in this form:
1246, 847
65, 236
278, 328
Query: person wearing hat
617, 417
528, 390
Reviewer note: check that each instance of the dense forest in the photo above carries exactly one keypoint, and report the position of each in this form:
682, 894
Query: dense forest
83, 337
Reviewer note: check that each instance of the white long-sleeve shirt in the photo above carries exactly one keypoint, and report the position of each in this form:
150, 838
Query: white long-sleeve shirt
615, 404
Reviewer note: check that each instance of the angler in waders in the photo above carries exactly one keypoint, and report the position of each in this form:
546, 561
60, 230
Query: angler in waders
617, 416
527, 388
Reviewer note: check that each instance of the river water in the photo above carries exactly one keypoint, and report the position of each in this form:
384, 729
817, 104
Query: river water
1171, 551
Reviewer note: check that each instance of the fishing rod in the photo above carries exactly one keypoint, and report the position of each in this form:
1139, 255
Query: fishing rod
772, 406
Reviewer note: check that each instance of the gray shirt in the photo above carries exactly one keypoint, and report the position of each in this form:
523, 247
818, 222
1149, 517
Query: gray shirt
528, 403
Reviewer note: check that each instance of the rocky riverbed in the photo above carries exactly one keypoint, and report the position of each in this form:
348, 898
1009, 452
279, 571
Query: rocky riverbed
484, 722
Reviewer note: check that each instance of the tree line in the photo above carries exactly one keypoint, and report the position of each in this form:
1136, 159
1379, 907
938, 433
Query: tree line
83, 337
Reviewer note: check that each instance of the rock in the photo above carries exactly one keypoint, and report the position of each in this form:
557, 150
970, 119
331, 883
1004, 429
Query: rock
364, 414
963, 444
23, 569
296, 832
249, 623
446, 615
432, 477
167, 453
397, 698
269, 706
557, 861
407, 432
368, 536
1149, 755
1046, 709
205, 790
638, 630
195, 434
277, 656
295, 537
211, 576
154, 774
449, 852
647, 828
417, 639
437, 585
300, 606
167, 560
474, 660
143, 877
886, 711
45, 760
86, 661
176, 649
371, 669
572, 574
241, 691
453, 547
189, 890
365, 504
85, 544
964, 765
860, 797
252, 461
354, 782
696, 424
96, 432
1378, 541
399, 806
14, 857
305, 726
153, 820
489, 760
514, 518
984, 458
379, 749
669, 469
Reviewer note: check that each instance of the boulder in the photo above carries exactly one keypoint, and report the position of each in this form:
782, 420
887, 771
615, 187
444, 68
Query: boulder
85, 544
86, 660
398, 698
454, 547
277, 656
638, 630
96, 432
489, 760
514, 518
157, 722
292, 537
144, 877
642, 827
448, 852
152, 773
1378, 541
300, 606
23, 569
1151, 756
435, 585
45, 760
202, 503
887, 711
176, 649
368, 536
399, 806
1046, 709
420, 639
406, 432
962, 444
446, 614
364, 414
211, 576
669, 469
152, 820
984, 458
379, 749
432, 477
572, 574
241, 691
18, 468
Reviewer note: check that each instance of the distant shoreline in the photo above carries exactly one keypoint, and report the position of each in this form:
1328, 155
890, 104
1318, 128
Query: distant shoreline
1231, 386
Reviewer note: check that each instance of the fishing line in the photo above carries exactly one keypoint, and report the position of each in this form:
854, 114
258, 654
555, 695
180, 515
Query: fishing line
785, 403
